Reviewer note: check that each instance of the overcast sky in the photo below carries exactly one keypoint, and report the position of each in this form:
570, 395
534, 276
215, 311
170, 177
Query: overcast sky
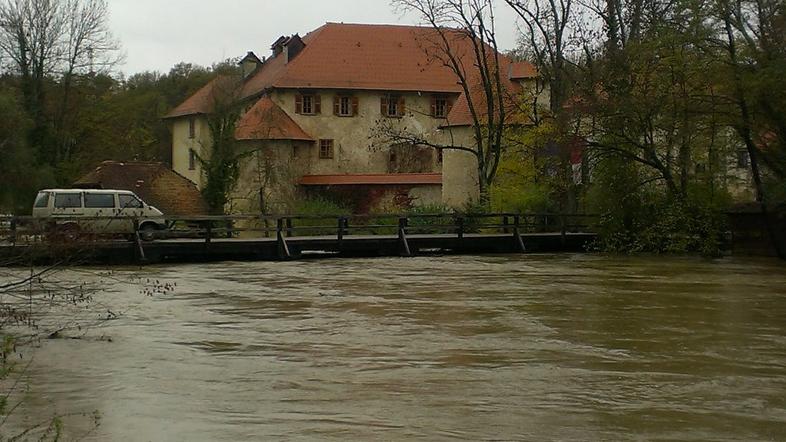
157, 34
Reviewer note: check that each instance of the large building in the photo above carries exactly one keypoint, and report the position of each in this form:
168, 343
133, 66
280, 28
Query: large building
313, 110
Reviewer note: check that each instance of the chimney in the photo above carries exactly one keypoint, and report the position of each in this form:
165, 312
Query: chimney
278, 46
249, 63
293, 46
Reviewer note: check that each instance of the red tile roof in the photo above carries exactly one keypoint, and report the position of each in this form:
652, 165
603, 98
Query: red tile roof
522, 70
371, 178
154, 182
267, 121
204, 100
368, 57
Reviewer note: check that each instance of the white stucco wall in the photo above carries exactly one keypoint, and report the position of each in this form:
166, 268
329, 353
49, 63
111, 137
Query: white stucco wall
182, 143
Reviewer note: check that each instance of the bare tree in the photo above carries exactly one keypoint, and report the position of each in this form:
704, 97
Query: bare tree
464, 41
546, 35
54, 38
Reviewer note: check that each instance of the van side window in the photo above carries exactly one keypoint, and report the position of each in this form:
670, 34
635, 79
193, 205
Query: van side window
42, 200
129, 202
68, 200
99, 200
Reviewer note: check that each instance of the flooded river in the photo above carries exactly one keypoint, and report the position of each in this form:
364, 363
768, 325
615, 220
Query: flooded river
533, 347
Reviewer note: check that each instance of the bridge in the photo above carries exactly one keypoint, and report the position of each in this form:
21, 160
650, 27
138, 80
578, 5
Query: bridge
284, 237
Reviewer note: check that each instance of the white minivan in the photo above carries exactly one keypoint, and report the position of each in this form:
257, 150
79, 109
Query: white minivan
103, 211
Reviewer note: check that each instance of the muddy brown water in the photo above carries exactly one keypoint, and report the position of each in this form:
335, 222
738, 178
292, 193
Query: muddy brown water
533, 347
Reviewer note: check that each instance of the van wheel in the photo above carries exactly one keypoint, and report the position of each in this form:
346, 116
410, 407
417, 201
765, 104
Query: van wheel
69, 232
148, 232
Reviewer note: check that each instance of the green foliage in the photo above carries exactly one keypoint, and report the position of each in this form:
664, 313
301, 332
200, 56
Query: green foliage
430, 224
319, 206
222, 166
21, 174
640, 217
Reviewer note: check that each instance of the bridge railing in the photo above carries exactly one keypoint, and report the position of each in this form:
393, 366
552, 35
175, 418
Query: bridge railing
27, 230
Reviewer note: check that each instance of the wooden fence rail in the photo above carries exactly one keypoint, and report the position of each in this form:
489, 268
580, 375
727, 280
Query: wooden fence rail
25, 229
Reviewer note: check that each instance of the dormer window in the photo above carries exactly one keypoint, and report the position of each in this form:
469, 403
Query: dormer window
308, 104
392, 105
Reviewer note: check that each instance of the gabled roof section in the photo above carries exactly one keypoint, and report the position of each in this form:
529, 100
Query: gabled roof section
522, 70
154, 182
460, 114
267, 121
203, 101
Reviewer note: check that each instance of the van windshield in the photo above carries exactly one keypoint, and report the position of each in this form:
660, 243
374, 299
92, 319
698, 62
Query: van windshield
42, 200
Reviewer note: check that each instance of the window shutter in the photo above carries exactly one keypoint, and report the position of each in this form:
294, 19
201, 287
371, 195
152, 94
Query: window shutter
383, 105
433, 105
336, 105
317, 104
401, 106
298, 104
355, 106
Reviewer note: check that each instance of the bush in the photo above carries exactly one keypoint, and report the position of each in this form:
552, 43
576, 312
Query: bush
636, 218
318, 207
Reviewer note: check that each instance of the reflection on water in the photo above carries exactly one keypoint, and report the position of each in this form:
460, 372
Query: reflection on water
527, 347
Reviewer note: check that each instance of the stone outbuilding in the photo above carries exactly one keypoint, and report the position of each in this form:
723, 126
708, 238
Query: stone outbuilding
154, 182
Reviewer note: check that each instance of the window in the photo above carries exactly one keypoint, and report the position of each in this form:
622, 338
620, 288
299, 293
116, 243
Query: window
439, 156
345, 106
440, 106
392, 106
41, 200
743, 160
68, 200
99, 200
191, 127
308, 104
129, 201
191, 159
325, 149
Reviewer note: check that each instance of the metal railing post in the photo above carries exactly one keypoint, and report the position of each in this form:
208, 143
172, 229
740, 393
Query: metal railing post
283, 248
402, 236
563, 228
517, 234
342, 223
13, 231
139, 250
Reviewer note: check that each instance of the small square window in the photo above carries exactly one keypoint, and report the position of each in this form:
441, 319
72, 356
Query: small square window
743, 159
439, 107
345, 106
191, 159
308, 104
325, 149
392, 105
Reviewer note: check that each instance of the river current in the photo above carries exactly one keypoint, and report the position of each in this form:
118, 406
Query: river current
528, 347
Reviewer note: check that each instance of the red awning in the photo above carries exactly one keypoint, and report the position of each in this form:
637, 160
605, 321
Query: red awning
371, 178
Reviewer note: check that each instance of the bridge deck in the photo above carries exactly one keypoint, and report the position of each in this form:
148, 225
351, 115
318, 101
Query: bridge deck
261, 248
